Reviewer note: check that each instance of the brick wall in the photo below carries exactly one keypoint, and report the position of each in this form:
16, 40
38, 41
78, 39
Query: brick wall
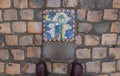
97, 40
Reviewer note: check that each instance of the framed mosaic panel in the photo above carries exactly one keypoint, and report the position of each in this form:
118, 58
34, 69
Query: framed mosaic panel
58, 25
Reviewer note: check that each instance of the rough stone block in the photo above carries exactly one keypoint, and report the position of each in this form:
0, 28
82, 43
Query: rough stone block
4, 54
60, 68
2, 66
5, 3
94, 16
115, 27
91, 40
20, 3
36, 3
116, 3
103, 4
101, 27
70, 3
1, 15
19, 27
81, 14
115, 74
26, 14
90, 65
18, 54
2, 41
83, 53
118, 65
58, 51
13, 68
84, 27
28, 68
11, 40
5, 28
114, 52
78, 40
34, 52
53, 3
34, 27
118, 41
108, 67
87, 4
49, 66
99, 52
10, 14
109, 39
38, 40
26, 40
110, 14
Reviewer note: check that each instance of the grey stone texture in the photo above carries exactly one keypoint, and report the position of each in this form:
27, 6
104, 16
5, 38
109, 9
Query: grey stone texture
58, 51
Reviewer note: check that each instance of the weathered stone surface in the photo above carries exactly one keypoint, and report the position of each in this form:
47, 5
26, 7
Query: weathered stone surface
91, 40
2, 41
101, 27
1, 15
94, 16
90, 65
78, 40
103, 75
84, 27
104, 4
10, 14
34, 52
116, 3
99, 52
83, 53
70, 3
13, 68
118, 65
115, 74
4, 54
109, 39
49, 66
11, 40
115, 27
34, 27
20, 3
39, 15
60, 68
53, 3
2, 66
60, 51
26, 14
28, 67
18, 54
38, 40
108, 67
36, 3
110, 14
5, 3
25, 40
87, 4
19, 27
5, 28
81, 14
118, 41
115, 52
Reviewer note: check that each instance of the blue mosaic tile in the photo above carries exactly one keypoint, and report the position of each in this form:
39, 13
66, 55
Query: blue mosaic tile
58, 25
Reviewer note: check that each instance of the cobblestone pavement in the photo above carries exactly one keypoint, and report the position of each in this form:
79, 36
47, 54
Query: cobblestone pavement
96, 44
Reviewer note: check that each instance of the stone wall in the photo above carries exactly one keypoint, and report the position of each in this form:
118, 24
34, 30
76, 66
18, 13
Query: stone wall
97, 40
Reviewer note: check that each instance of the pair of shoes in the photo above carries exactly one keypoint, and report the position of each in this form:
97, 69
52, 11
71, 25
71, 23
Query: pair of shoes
41, 69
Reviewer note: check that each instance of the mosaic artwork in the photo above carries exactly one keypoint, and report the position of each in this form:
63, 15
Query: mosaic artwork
58, 25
